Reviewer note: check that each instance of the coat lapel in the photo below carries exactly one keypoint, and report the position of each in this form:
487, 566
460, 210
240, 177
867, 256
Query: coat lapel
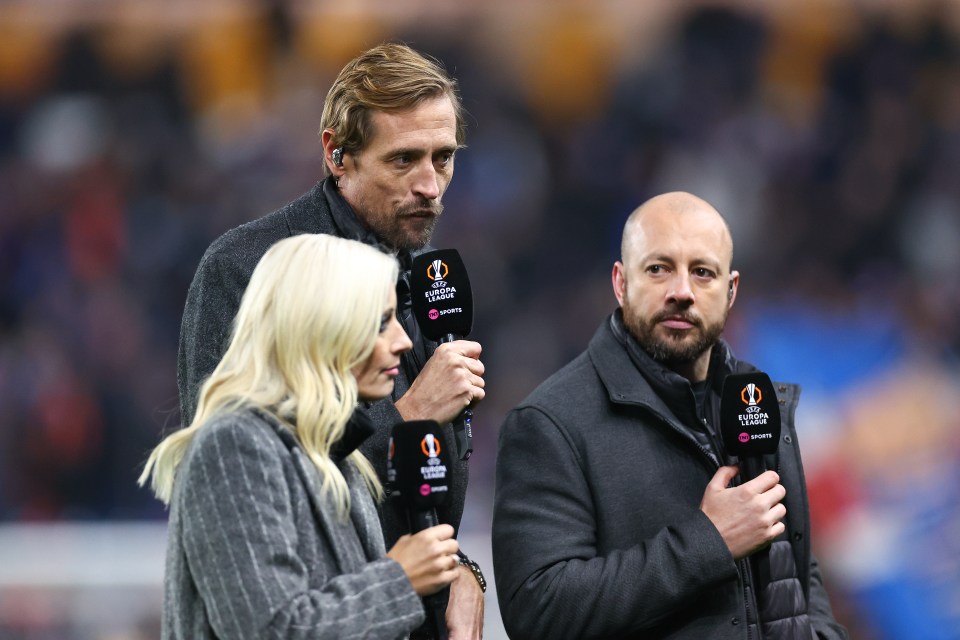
344, 542
363, 512
354, 541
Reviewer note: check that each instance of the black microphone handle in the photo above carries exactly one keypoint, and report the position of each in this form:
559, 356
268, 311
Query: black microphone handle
435, 603
420, 520
462, 424
750, 468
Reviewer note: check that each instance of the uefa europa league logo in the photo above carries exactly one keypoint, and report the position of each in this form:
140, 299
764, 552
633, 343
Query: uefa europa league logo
437, 270
751, 395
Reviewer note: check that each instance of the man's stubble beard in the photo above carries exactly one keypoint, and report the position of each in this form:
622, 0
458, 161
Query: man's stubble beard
390, 230
674, 349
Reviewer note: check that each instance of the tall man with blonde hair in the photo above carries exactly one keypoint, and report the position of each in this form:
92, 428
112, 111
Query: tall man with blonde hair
391, 126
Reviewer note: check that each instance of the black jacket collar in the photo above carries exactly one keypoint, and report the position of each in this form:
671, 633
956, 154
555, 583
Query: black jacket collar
349, 225
663, 380
344, 217
358, 428
619, 375
631, 376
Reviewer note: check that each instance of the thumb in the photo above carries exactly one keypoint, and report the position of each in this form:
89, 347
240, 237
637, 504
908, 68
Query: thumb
721, 479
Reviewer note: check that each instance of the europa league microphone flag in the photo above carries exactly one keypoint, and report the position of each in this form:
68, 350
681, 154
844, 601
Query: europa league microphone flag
417, 467
749, 415
441, 296
442, 303
417, 470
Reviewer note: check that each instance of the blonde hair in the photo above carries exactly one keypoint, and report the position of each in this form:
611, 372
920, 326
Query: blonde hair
389, 77
311, 313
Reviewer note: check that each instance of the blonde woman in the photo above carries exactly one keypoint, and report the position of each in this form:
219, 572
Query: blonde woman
273, 528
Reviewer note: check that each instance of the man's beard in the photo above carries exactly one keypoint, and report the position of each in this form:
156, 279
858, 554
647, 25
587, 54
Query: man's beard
415, 234
677, 347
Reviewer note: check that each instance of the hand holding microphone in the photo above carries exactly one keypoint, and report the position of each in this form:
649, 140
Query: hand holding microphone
418, 472
452, 380
748, 516
428, 557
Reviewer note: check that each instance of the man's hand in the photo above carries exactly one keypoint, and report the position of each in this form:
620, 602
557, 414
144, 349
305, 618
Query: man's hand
465, 607
451, 381
749, 516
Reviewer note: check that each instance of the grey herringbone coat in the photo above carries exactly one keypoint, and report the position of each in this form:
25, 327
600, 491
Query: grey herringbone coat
255, 552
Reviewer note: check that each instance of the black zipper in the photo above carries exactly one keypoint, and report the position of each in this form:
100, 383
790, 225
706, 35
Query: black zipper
748, 580
743, 562
714, 462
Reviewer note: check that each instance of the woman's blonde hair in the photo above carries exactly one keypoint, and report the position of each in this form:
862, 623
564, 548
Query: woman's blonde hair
311, 313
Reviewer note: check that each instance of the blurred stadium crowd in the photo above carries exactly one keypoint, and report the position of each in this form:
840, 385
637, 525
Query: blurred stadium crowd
828, 133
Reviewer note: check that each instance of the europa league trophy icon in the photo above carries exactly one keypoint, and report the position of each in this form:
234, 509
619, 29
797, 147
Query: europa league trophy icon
752, 393
430, 446
439, 270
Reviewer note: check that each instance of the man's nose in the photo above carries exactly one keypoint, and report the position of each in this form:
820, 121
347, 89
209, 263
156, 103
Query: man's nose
425, 183
680, 289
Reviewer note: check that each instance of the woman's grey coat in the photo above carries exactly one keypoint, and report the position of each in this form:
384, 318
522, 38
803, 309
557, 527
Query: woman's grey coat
255, 552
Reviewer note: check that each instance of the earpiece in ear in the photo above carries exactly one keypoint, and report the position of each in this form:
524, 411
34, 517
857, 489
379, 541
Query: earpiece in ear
337, 155
730, 290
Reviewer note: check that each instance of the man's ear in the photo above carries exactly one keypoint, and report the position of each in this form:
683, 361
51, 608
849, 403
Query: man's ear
619, 280
732, 288
330, 143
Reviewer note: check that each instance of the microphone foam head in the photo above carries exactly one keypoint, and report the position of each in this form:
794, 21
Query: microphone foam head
418, 465
441, 296
749, 415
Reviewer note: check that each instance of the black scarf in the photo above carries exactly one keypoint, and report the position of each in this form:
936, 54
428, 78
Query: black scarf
349, 226
700, 418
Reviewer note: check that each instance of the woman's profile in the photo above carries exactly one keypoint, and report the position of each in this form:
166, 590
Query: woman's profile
273, 526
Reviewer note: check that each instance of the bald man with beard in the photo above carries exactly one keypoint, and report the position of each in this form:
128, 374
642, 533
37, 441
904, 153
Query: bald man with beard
617, 513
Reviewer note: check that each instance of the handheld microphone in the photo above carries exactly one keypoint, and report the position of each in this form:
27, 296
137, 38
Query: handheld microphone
749, 421
417, 471
750, 427
442, 303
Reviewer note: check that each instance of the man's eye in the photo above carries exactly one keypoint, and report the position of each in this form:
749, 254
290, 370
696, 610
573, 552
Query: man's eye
444, 159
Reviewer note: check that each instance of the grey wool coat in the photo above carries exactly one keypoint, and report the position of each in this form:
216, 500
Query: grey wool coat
254, 550
597, 527
213, 300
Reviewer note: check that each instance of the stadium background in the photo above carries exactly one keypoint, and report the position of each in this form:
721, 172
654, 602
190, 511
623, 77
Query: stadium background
132, 133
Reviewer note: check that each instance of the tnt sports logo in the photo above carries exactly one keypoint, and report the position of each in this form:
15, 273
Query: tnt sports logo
433, 314
437, 270
424, 490
430, 446
744, 437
